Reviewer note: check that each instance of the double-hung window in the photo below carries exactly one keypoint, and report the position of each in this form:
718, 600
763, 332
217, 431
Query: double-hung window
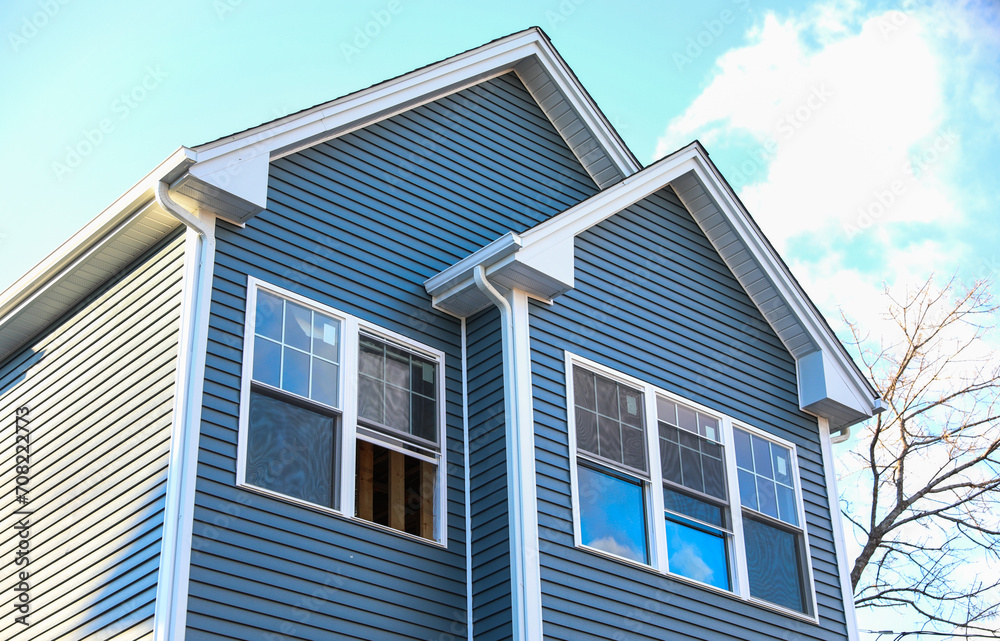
341, 415
728, 495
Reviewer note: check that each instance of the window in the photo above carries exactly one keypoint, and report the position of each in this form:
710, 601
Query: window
728, 498
611, 447
341, 415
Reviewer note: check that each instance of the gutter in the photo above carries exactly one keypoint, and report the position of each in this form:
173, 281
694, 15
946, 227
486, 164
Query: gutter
526, 588
170, 614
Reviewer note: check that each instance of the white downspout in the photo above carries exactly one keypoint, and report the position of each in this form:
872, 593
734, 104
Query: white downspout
170, 614
526, 588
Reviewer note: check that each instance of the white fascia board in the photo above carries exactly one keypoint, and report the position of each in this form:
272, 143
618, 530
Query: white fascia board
140, 195
832, 381
840, 376
239, 165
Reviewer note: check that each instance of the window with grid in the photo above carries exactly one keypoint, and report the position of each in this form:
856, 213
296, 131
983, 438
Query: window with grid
293, 442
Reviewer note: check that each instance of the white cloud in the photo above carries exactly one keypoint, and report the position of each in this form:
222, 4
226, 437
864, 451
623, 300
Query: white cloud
838, 127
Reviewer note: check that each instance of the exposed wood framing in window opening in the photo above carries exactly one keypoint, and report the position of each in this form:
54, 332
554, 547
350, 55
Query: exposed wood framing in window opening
395, 489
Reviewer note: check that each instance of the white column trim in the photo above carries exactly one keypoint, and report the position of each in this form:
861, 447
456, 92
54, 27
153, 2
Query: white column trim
837, 523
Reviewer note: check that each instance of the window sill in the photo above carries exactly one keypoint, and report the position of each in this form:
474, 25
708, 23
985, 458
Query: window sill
315, 507
700, 585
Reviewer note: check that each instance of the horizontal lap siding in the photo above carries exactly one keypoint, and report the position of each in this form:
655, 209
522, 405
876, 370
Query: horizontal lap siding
359, 223
491, 588
100, 388
653, 300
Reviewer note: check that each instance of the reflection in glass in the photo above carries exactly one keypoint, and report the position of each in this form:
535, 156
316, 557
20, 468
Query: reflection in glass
697, 552
612, 514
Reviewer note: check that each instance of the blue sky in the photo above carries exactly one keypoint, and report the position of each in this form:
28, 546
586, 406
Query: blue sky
863, 137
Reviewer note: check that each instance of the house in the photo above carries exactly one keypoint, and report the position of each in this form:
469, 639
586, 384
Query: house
436, 360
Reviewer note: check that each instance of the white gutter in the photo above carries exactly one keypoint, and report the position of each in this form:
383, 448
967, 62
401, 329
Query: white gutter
170, 615
526, 584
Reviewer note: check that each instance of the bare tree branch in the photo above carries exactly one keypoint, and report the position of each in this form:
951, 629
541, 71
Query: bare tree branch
931, 465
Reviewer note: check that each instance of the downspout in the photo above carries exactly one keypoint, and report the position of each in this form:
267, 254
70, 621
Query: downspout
170, 614
523, 514
842, 435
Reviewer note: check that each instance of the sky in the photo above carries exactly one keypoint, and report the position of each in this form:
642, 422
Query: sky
863, 137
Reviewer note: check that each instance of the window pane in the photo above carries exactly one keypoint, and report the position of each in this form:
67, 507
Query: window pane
670, 460
668, 432
630, 406
748, 489
326, 337
292, 450
697, 553
688, 419
666, 410
370, 357
773, 564
744, 453
295, 372
610, 438
397, 408
266, 361
298, 326
633, 448
612, 514
583, 389
762, 457
423, 418
688, 505
708, 427
586, 431
423, 377
397, 367
370, 401
607, 398
782, 464
786, 505
268, 315
325, 382
766, 501
715, 477
691, 469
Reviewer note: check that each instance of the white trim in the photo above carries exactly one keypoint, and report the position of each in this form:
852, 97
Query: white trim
469, 620
219, 159
839, 535
170, 610
350, 332
526, 585
654, 483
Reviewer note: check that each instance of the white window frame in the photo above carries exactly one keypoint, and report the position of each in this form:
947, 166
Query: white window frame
350, 332
654, 502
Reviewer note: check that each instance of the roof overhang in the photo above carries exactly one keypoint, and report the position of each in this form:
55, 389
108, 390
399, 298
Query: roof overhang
541, 262
234, 169
228, 177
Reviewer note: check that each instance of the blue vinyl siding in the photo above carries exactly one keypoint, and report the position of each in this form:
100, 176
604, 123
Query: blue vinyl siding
358, 223
100, 388
491, 588
654, 300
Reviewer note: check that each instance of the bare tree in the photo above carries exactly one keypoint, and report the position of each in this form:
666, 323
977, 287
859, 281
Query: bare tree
930, 465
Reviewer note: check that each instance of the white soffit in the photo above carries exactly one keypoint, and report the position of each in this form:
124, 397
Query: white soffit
236, 167
830, 384
99, 251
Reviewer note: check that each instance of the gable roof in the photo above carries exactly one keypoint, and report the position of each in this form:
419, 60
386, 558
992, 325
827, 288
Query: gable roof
228, 177
541, 262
